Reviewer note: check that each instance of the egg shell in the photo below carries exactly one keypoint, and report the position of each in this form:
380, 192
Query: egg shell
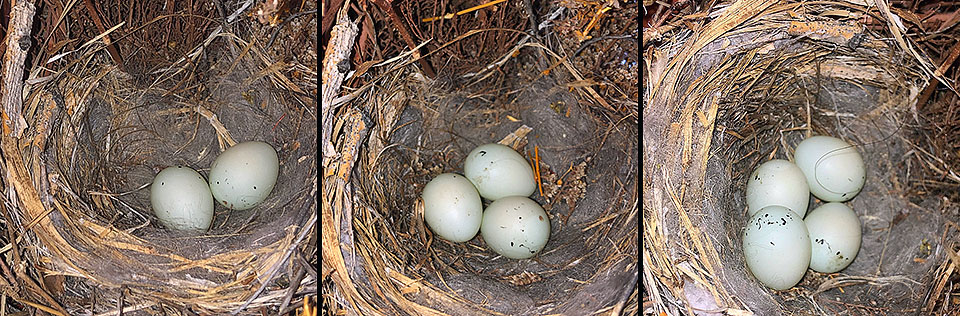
515, 227
776, 247
452, 207
834, 169
244, 175
499, 171
778, 182
181, 199
834, 237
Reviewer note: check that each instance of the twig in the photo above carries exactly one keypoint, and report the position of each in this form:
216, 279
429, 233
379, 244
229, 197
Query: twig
273, 271
532, 14
290, 18
390, 7
462, 12
44, 308
239, 10
536, 153
294, 284
311, 269
98, 21
18, 44
338, 51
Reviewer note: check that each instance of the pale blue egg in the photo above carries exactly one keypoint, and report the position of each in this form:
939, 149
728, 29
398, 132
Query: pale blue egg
244, 175
452, 207
499, 171
778, 182
834, 236
776, 247
834, 169
181, 199
515, 227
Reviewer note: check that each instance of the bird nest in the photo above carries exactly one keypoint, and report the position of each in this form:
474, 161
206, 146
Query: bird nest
748, 87
78, 180
399, 129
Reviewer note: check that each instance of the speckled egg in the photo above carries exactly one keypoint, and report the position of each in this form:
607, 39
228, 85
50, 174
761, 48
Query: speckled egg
243, 175
181, 199
834, 169
834, 236
515, 227
776, 247
499, 171
778, 182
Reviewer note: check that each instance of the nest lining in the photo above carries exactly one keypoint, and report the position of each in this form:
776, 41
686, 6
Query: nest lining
764, 87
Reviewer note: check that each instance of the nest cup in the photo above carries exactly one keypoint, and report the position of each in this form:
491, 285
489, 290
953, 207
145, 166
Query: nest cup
97, 136
738, 94
420, 128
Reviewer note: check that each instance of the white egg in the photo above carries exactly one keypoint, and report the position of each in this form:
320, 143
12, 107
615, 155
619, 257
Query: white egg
834, 235
515, 227
181, 199
834, 169
452, 207
776, 247
498, 171
778, 182
243, 175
